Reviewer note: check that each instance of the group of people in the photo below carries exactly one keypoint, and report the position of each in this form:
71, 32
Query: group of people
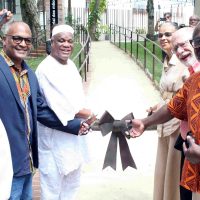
177, 115
43, 116
167, 17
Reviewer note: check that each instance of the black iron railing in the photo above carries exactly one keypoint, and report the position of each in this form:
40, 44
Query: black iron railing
82, 57
145, 52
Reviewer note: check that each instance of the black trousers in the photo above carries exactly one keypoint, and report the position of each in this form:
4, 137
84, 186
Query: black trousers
184, 193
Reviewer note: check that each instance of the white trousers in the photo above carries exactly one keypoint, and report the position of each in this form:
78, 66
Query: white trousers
56, 186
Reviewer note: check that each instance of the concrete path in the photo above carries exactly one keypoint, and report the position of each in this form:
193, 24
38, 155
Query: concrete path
116, 84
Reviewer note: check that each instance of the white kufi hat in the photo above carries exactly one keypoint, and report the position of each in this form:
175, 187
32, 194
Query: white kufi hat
62, 28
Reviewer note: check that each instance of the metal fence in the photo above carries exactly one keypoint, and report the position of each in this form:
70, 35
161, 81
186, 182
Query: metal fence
145, 52
82, 57
135, 19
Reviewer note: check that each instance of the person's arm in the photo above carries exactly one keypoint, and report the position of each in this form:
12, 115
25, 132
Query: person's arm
165, 113
159, 117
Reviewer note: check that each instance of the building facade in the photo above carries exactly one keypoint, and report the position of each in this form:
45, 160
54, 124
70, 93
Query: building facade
197, 7
13, 6
132, 13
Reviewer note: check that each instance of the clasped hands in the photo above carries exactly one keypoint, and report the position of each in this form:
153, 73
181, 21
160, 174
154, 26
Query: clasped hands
88, 119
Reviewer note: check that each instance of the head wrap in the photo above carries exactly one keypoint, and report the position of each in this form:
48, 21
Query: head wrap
61, 29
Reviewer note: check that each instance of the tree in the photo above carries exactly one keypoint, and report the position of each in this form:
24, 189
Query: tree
150, 11
30, 16
97, 7
69, 12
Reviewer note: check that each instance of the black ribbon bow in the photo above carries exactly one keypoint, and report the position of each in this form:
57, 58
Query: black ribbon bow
120, 130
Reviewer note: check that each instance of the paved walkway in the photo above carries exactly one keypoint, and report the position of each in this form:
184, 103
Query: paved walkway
117, 84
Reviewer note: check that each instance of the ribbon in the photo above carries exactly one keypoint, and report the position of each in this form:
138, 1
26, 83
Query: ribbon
120, 131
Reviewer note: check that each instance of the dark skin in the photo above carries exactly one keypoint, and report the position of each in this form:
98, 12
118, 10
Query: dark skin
159, 117
193, 152
61, 48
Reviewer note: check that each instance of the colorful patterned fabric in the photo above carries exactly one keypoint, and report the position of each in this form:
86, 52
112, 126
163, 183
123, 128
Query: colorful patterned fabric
185, 105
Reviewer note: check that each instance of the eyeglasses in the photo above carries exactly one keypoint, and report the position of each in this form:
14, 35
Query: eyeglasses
19, 39
166, 34
195, 42
182, 45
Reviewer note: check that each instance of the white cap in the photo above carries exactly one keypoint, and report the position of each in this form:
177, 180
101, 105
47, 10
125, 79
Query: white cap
61, 29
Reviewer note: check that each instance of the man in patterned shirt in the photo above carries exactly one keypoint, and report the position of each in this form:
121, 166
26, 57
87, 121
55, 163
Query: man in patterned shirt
185, 105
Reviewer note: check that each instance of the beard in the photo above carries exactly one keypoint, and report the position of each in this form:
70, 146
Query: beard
190, 62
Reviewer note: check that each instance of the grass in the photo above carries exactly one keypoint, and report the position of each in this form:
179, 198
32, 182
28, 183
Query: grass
34, 62
154, 69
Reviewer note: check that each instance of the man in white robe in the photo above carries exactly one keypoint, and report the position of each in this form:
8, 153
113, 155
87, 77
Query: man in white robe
6, 170
61, 154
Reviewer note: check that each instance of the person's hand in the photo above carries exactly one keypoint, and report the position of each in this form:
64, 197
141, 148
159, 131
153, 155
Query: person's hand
137, 128
191, 150
84, 129
86, 124
8, 17
91, 119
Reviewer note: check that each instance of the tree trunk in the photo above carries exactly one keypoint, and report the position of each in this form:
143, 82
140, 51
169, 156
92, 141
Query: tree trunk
69, 12
150, 11
93, 25
30, 16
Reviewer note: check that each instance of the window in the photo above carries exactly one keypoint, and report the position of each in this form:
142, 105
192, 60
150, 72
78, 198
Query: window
8, 4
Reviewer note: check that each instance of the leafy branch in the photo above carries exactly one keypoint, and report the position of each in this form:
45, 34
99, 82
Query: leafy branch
97, 7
